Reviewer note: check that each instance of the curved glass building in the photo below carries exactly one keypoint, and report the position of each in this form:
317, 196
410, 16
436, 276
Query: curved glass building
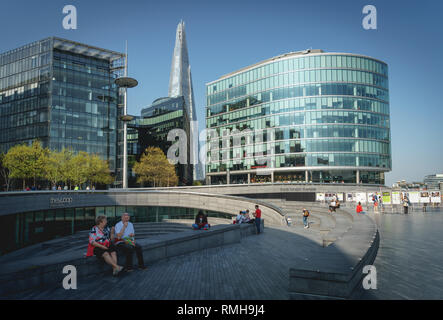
314, 116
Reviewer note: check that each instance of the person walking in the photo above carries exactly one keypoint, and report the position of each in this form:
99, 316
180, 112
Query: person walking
305, 218
257, 216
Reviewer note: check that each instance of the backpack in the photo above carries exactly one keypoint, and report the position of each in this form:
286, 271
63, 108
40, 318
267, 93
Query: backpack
306, 213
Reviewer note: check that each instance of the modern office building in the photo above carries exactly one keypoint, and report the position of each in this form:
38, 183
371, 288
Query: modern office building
62, 93
433, 181
307, 116
152, 128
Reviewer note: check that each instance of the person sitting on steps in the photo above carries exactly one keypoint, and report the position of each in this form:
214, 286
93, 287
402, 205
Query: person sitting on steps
201, 221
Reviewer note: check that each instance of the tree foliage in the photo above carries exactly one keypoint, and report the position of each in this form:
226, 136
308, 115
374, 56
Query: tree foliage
155, 169
26, 162
34, 162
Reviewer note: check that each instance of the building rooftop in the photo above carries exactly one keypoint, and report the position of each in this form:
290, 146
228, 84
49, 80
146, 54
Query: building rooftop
87, 50
287, 55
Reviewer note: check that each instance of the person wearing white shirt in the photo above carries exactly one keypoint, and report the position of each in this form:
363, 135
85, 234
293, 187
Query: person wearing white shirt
125, 242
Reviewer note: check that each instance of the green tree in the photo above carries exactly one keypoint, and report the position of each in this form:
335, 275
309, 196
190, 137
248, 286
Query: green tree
5, 172
98, 170
78, 169
57, 166
26, 162
154, 168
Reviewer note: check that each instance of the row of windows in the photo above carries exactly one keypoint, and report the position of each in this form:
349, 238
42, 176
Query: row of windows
24, 119
30, 130
89, 69
298, 63
308, 117
101, 81
23, 105
9, 85
24, 65
296, 78
317, 145
82, 119
306, 160
25, 51
299, 104
309, 90
75, 105
80, 59
91, 94
301, 132
159, 119
71, 131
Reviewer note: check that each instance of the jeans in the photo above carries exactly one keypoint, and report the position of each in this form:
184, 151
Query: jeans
257, 224
195, 226
305, 221
128, 251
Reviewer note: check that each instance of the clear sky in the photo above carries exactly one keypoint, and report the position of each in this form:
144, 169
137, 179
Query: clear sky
224, 36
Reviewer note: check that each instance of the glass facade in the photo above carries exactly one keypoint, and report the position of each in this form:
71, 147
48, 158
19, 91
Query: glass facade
62, 93
312, 113
29, 228
152, 128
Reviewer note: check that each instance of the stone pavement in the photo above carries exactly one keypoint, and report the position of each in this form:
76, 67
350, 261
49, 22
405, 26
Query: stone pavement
257, 268
410, 257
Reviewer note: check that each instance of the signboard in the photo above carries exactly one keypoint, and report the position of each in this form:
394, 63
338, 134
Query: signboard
59, 202
386, 197
396, 199
350, 197
320, 197
414, 196
360, 197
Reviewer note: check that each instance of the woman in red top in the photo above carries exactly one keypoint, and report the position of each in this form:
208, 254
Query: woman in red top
359, 208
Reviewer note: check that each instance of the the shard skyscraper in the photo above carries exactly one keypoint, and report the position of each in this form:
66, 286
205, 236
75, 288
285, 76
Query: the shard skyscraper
180, 84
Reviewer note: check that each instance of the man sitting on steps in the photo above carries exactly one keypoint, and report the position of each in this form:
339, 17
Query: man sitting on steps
125, 242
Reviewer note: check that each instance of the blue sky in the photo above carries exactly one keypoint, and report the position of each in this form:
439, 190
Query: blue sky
224, 36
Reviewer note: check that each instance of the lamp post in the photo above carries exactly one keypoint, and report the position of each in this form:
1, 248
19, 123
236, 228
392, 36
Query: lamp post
125, 82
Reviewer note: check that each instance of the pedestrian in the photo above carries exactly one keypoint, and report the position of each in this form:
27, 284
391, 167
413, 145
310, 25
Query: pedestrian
257, 216
305, 218
405, 205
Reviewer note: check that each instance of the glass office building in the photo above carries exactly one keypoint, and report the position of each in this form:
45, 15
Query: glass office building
152, 128
312, 116
62, 93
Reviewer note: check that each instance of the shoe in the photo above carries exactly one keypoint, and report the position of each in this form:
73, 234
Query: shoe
142, 267
129, 269
117, 271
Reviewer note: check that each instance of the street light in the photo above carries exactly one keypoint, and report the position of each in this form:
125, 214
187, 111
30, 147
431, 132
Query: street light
125, 82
